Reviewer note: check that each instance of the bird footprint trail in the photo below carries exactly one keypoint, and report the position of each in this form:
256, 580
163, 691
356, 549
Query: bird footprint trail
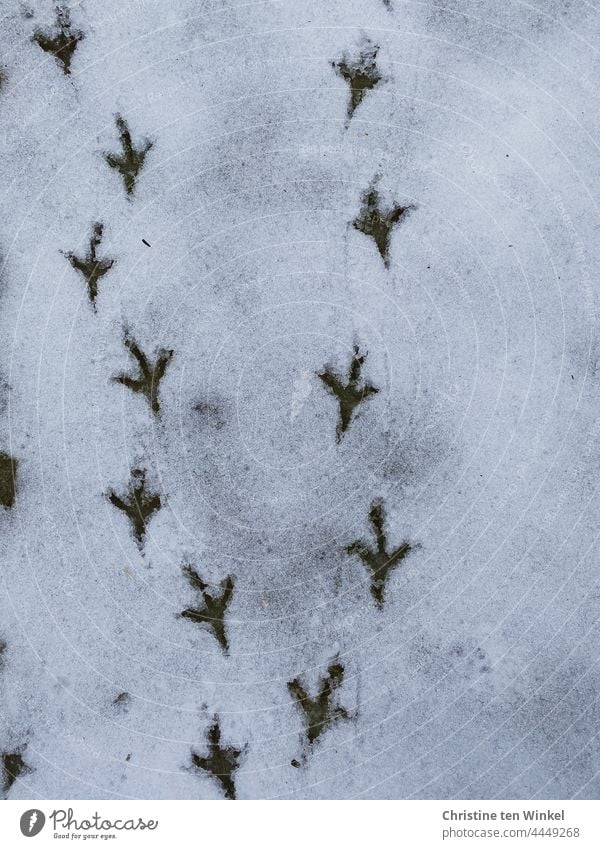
147, 382
90, 266
63, 44
319, 711
139, 504
131, 161
212, 613
221, 762
379, 561
376, 222
361, 74
349, 395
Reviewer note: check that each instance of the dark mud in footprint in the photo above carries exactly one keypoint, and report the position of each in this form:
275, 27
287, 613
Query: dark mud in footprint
361, 74
122, 701
13, 766
378, 223
63, 43
149, 376
131, 161
379, 561
139, 504
90, 267
349, 395
8, 479
212, 612
319, 712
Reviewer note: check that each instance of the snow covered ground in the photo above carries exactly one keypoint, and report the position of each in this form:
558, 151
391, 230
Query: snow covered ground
434, 238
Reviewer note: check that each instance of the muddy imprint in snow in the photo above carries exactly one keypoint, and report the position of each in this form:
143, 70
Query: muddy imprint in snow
150, 374
377, 222
91, 268
350, 394
131, 161
221, 762
122, 701
8, 479
379, 560
139, 504
361, 74
319, 711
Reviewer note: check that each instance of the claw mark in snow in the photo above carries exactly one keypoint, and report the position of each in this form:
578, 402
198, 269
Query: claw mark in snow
379, 560
349, 395
130, 162
90, 267
139, 504
221, 762
13, 766
212, 613
361, 74
320, 712
64, 43
378, 223
150, 375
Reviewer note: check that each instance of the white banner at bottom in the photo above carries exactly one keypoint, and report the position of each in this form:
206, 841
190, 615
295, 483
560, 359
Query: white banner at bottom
302, 824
